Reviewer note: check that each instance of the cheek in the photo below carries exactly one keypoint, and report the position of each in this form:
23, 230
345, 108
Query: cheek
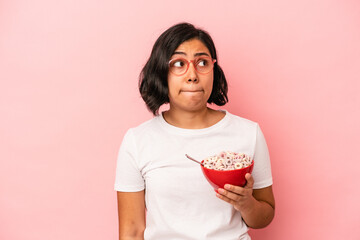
210, 82
172, 86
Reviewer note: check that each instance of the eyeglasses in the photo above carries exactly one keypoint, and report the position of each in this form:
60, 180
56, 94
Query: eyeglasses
203, 65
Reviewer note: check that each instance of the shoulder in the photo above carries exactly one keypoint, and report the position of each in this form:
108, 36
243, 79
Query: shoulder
145, 127
241, 122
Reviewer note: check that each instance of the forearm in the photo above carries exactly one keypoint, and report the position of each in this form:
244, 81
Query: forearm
131, 238
258, 214
131, 234
131, 230
131, 211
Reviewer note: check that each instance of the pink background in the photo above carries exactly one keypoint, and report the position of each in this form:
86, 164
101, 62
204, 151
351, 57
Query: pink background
68, 93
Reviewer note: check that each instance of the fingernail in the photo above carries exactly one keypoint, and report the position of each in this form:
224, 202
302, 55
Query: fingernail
227, 186
220, 190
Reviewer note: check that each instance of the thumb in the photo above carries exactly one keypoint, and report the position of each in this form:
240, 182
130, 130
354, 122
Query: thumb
249, 181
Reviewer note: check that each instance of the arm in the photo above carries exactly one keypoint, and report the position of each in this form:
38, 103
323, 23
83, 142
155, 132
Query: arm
131, 212
257, 207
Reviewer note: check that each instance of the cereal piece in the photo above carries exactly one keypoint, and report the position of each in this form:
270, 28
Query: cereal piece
208, 166
228, 162
221, 168
207, 161
238, 165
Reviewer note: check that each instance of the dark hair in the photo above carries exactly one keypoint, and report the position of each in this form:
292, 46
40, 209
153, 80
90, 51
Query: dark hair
153, 84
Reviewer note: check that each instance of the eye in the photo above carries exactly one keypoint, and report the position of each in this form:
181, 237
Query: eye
202, 62
178, 63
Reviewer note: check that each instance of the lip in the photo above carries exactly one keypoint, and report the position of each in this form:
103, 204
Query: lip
199, 90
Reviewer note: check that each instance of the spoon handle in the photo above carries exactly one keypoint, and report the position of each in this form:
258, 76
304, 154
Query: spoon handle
193, 159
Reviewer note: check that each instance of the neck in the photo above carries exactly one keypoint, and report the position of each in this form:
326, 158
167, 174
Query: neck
192, 119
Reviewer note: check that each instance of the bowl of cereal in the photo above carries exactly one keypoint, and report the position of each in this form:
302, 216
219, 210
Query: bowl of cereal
227, 167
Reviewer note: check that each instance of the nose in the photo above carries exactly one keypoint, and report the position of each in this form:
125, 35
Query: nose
192, 74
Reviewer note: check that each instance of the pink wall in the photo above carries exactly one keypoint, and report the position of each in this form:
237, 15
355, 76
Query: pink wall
68, 72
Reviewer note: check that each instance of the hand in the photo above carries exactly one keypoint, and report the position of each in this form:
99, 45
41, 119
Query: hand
240, 197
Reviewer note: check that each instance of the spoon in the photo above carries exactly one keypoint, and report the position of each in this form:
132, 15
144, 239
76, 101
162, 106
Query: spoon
194, 160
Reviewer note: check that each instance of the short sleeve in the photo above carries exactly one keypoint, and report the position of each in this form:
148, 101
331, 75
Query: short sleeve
128, 177
262, 167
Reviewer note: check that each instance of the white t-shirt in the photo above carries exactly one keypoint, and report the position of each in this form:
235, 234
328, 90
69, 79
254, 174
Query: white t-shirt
180, 203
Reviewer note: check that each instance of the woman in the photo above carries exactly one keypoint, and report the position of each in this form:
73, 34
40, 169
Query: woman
153, 175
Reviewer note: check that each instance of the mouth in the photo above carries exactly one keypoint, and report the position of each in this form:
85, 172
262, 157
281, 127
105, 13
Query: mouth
192, 91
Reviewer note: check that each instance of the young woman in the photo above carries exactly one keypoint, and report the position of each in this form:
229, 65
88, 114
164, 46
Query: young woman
162, 194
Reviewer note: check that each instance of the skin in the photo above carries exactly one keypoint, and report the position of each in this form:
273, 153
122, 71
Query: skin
257, 206
131, 213
188, 95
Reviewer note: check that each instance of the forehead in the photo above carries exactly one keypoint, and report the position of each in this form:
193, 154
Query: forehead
192, 46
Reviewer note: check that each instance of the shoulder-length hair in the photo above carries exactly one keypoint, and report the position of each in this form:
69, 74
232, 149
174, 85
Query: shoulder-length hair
153, 85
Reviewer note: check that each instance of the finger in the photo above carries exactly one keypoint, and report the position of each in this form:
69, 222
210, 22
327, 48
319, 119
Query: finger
225, 198
235, 189
229, 195
249, 181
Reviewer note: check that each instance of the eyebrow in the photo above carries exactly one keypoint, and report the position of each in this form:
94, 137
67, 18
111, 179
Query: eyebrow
196, 54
